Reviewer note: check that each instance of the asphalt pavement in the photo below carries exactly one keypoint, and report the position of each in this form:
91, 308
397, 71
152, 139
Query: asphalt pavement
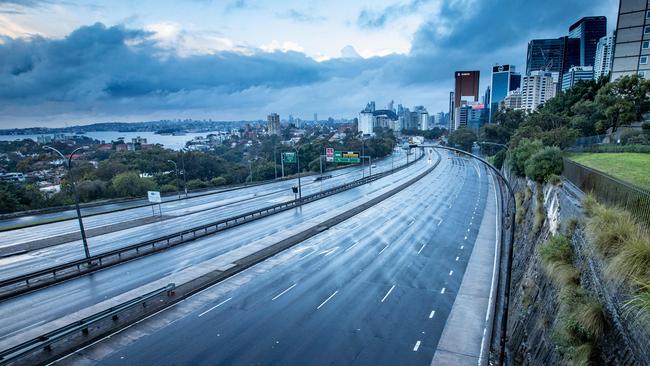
30, 311
189, 215
374, 290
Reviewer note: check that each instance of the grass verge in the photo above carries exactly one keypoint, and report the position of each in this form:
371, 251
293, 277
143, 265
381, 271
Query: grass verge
629, 167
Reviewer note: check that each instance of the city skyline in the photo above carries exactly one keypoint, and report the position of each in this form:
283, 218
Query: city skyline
147, 62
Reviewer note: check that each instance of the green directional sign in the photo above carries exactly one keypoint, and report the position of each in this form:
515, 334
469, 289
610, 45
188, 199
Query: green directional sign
346, 157
289, 157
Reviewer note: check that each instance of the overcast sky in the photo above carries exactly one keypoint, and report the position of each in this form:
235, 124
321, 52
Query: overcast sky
78, 62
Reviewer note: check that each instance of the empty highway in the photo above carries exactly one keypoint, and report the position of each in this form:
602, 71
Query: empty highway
376, 289
30, 311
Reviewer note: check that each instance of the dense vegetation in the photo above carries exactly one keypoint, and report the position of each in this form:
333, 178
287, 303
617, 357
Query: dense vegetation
535, 140
120, 174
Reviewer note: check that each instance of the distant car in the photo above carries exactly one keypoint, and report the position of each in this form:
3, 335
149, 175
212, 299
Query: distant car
373, 166
328, 176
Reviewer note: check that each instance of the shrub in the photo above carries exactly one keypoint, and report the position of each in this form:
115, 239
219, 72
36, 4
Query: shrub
499, 158
554, 179
166, 188
196, 184
544, 163
524, 150
218, 181
630, 134
130, 184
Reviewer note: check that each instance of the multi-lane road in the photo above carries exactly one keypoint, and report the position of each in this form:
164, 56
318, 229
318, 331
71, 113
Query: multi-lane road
377, 288
179, 215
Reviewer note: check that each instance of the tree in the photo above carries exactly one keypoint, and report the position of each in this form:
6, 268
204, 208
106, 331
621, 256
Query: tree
130, 184
544, 163
523, 152
623, 101
462, 138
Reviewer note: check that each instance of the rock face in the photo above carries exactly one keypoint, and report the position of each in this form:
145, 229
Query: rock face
534, 299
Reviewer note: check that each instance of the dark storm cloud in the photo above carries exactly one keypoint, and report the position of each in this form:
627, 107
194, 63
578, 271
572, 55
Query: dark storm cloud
114, 71
369, 18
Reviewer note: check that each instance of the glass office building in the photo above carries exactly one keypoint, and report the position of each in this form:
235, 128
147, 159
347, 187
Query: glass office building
504, 80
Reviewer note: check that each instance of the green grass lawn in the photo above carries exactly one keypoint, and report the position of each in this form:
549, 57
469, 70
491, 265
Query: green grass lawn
630, 167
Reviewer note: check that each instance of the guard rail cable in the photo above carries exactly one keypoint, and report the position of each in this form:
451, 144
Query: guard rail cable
118, 317
21, 284
46, 340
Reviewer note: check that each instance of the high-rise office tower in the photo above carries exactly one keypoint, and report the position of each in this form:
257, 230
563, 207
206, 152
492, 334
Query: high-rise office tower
576, 74
504, 80
589, 30
604, 53
465, 89
632, 47
555, 55
273, 123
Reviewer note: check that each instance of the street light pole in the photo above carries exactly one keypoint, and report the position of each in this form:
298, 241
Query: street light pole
178, 184
184, 172
275, 160
299, 185
76, 195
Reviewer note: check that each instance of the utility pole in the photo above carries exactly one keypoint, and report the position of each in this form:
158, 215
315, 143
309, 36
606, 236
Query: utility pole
76, 195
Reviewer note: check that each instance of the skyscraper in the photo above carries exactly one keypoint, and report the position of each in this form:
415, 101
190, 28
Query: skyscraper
556, 55
452, 106
273, 123
504, 80
632, 48
465, 89
589, 30
604, 53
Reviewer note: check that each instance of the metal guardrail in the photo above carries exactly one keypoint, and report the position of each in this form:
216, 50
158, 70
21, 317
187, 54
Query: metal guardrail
46, 340
609, 189
24, 283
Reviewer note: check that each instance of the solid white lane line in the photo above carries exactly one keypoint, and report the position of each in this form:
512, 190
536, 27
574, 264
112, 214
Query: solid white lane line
326, 300
433, 312
451, 272
423, 245
216, 306
332, 251
388, 293
417, 345
352, 246
283, 292
383, 249
442, 291
301, 258
411, 223
439, 222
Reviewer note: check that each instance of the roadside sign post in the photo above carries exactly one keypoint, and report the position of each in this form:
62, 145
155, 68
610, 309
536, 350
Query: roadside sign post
350, 157
154, 198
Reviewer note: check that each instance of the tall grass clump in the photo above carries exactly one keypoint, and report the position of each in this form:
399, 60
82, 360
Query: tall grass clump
610, 228
521, 212
639, 303
540, 214
581, 320
633, 261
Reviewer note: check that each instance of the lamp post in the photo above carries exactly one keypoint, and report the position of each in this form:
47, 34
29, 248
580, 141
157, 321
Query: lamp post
299, 185
74, 191
178, 183
184, 171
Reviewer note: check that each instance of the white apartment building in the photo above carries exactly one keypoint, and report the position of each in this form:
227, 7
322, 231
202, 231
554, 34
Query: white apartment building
536, 89
604, 56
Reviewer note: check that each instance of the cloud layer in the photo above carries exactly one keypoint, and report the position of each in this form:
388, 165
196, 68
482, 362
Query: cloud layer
101, 72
